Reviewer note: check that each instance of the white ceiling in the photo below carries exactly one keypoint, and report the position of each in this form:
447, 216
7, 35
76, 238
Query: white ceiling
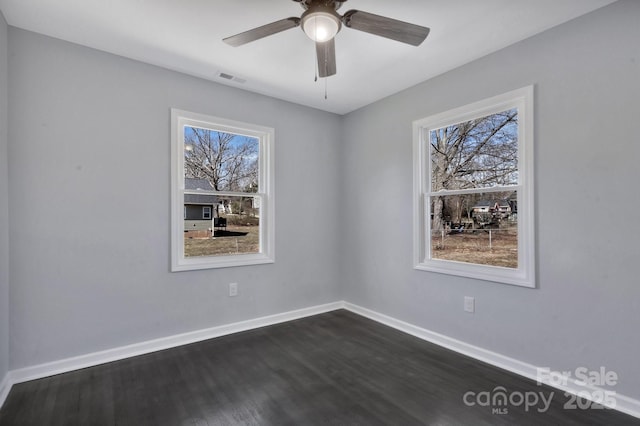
186, 35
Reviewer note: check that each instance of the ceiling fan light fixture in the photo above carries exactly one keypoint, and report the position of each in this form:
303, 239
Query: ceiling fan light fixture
320, 26
320, 21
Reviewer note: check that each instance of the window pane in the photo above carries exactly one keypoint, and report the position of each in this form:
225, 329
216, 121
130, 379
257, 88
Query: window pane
220, 161
479, 153
233, 229
480, 228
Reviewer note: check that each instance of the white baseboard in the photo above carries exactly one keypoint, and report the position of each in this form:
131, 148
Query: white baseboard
115, 354
623, 403
5, 387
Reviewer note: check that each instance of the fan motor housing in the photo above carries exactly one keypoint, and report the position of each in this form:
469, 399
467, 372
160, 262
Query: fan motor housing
309, 4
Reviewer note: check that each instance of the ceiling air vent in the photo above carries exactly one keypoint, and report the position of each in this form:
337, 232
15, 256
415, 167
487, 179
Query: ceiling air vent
231, 77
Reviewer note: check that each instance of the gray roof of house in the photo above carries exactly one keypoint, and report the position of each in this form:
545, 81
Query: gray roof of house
192, 184
195, 184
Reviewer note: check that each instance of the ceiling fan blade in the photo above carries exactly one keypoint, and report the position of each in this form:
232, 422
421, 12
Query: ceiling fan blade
385, 27
261, 32
326, 53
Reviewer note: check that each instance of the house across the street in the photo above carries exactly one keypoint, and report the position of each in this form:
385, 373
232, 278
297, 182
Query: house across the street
200, 210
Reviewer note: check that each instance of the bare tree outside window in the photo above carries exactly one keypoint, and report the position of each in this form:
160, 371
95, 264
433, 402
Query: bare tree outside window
229, 162
476, 154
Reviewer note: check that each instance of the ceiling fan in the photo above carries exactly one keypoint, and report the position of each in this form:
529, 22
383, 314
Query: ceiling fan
321, 22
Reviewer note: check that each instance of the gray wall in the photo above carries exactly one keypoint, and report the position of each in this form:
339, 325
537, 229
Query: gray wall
4, 210
586, 311
92, 129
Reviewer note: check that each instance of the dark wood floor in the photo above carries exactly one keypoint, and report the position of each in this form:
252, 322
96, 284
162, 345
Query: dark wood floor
331, 369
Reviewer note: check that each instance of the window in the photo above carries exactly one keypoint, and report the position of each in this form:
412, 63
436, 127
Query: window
473, 190
206, 212
222, 183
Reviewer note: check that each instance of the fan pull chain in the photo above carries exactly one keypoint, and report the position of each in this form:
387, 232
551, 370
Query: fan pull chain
325, 87
315, 67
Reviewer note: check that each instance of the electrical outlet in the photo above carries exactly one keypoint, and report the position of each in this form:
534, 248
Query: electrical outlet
233, 289
469, 304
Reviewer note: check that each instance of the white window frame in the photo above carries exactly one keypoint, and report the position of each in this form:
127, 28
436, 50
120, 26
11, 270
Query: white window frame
524, 274
265, 137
